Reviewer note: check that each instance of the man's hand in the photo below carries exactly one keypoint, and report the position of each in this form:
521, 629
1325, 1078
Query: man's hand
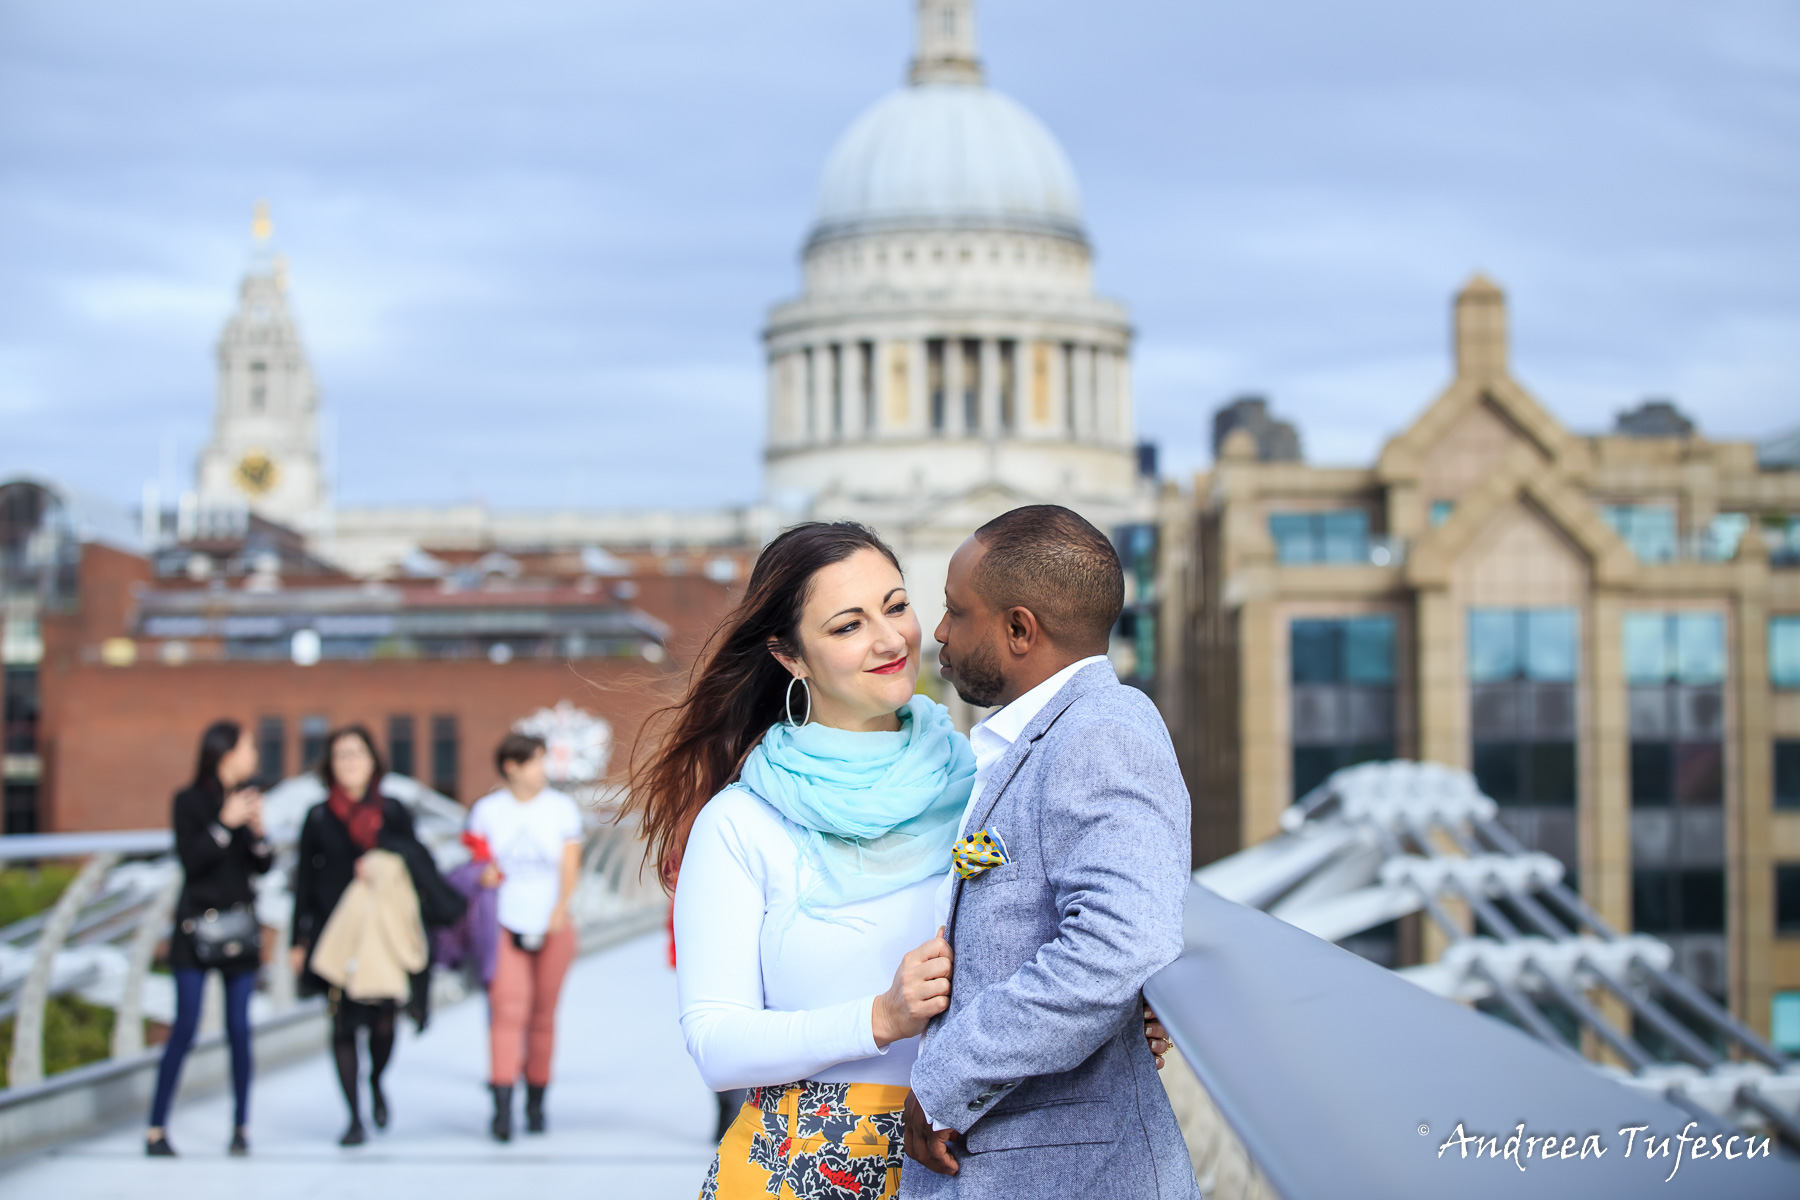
1156, 1035
926, 1146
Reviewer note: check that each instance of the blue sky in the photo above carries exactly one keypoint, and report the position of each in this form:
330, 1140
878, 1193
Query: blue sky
532, 244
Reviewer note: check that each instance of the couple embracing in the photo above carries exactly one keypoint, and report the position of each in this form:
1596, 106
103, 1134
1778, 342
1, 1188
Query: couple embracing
923, 954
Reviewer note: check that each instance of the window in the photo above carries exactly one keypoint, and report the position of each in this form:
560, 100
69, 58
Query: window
1342, 671
1649, 529
1009, 377
1341, 536
1784, 1022
1671, 901
1723, 534
934, 381
444, 753
1787, 774
20, 801
1675, 669
971, 385
1134, 637
810, 396
403, 747
1522, 672
1787, 898
259, 386
271, 750
312, 741
1440, 511
21, 709
1784, 652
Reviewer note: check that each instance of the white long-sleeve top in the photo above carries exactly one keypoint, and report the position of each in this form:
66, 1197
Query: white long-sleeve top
770, 995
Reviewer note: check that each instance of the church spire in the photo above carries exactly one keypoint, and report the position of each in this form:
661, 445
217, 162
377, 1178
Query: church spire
946, 43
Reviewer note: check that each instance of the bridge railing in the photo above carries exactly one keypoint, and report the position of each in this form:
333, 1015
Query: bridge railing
98, 940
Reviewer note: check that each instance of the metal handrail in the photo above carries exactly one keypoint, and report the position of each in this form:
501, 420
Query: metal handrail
99, 938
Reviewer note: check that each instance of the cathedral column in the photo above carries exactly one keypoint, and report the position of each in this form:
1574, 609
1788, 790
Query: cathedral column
990, 388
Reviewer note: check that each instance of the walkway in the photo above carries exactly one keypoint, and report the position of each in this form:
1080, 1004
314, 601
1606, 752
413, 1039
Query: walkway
628, 1116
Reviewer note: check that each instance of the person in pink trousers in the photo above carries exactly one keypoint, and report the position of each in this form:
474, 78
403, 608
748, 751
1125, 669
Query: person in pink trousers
533, 834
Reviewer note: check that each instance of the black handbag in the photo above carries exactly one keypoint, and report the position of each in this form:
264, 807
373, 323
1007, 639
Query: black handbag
224, 935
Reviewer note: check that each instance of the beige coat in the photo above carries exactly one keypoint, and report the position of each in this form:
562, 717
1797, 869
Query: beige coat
374, 939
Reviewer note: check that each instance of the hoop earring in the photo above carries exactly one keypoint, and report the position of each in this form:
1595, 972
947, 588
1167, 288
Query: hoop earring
788, 701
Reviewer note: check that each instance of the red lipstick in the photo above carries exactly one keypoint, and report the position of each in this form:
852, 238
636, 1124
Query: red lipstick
892, 668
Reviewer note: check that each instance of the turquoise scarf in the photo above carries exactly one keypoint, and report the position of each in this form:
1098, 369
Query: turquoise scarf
872, 812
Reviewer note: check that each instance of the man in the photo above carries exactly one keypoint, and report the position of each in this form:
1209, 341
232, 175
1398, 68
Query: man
1072, 875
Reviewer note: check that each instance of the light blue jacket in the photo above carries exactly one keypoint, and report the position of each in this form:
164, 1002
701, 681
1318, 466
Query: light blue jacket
1040, 1058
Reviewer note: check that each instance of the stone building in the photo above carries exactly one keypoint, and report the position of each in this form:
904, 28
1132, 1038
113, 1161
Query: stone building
1604, 629
264, 451
948, 358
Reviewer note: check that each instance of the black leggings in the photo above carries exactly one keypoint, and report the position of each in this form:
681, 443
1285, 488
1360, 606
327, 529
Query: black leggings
378, 1019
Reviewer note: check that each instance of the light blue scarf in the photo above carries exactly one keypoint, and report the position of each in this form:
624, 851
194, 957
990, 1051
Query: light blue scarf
872, 812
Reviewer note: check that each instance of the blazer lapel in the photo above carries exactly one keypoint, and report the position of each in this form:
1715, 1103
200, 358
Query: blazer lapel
1007, 769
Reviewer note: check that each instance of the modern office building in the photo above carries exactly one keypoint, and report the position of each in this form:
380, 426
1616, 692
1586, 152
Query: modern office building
1604, 629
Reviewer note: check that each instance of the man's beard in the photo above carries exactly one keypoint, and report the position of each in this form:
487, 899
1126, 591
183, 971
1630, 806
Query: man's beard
977, 678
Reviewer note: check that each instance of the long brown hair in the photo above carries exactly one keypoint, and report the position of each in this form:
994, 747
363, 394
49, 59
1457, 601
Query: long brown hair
737, 691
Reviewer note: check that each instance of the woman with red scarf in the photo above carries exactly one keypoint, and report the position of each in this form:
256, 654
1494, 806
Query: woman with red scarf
354, 817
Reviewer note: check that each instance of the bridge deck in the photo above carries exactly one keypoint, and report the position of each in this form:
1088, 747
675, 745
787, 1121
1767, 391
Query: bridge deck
628, 1116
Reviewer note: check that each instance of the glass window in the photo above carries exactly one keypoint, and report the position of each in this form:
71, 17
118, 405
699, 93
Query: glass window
1369, 650
1787, 774
1440, 511
1784, 652
1493, 644
312, 741
1652, 774
1344, 536
445, 747
1787, 898
1703, 901
402, 747
271, 750
1649, 529
1652, 901
1700, 773
1340, 536
1723, 535
1293, 537
1647, 648
1550, 774
1497, 771
1314, 651
1700, 648
1784, 1022
1550, 644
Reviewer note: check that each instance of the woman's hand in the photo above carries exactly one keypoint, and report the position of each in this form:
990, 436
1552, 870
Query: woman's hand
559, 918
297, 959
921, 991
362, 867
239, 807
1156, 1036
491, 876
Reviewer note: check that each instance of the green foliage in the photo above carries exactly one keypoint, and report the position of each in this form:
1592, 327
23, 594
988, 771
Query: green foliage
28, 890
75, 1033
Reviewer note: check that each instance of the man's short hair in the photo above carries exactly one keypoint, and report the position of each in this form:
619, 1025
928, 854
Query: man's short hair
516, 748
1052, 561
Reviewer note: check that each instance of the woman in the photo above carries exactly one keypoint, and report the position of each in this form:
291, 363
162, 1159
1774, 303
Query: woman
218, 822
533, 838
353, 818
809, 801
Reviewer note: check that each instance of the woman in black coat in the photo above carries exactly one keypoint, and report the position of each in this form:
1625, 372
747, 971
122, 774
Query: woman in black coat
219, 839
355, 817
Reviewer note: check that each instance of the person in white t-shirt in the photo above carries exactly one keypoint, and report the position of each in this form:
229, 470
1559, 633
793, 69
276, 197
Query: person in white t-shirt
533, 837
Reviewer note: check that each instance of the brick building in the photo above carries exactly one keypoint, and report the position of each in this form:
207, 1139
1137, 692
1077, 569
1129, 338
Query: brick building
1604, 629
116, 659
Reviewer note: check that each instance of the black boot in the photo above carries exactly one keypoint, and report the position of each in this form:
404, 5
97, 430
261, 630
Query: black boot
502, 1126
534, 1108
378, 1105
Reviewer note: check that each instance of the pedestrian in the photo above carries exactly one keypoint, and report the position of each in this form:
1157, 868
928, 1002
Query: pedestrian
218, 824
353, 819
533, 835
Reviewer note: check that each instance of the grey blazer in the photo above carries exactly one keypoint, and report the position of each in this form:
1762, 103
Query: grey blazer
1040, 1058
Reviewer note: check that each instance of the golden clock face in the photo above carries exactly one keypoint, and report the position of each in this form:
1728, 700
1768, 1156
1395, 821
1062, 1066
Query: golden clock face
256, 473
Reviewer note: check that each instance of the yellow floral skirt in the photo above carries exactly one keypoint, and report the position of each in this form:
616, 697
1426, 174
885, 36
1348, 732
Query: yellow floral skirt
812, 1141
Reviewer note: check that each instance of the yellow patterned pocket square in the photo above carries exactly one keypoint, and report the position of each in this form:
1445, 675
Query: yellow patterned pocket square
978, 852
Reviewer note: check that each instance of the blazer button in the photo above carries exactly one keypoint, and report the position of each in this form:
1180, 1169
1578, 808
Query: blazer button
975, 1104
